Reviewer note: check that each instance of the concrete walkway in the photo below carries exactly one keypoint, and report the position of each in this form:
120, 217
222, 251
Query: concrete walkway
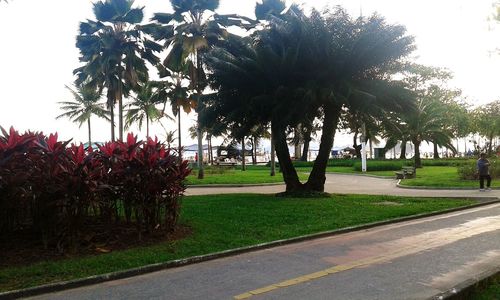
350, 184
411, 260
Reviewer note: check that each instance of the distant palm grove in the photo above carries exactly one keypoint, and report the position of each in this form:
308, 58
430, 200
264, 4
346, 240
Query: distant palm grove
293, 74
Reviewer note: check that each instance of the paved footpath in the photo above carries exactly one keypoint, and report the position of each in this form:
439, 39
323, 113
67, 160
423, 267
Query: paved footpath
411, 260
350, 184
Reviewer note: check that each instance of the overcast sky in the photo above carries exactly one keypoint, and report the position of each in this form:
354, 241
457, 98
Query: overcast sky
38, 53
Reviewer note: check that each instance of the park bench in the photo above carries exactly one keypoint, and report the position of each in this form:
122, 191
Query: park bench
406, 172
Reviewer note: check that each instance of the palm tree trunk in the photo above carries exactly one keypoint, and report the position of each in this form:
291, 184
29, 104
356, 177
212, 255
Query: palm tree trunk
273, 157
179, 132
147, 126
305, 150
90, 134
490, 146
199, 65
403, 150
436, 152
243, 163
254, 149
418, 160
120, 118
112, 113
290, 176
357, 148
371, 148
317, 178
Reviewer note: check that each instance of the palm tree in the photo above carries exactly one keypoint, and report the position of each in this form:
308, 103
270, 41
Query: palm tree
85, 104
114, 52
304, 67
425, 123
178, 94
196, 29
144, 108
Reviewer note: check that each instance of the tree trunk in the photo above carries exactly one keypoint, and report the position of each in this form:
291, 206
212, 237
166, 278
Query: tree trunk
305, 150
199, 65
436, 152
317, 178
120, 118
254, 150
112, 112
357, 148
490, 146
209, 142
147, 126
90, 135
403, 150
179, 132
418, 160
371, 148
243, 162
273, 157
289, 173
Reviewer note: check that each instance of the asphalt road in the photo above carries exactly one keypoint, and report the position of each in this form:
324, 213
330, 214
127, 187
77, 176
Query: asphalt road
411, 260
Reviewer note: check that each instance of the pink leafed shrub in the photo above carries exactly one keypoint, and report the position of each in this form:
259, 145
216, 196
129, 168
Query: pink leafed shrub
55, 189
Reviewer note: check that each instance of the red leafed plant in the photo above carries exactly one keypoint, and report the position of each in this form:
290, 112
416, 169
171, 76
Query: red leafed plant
54, 189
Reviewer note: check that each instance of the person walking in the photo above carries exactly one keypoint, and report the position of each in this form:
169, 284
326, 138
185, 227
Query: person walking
483, 168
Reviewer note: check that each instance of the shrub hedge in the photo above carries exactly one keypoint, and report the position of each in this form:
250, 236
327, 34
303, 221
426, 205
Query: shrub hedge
468, 170
53, 190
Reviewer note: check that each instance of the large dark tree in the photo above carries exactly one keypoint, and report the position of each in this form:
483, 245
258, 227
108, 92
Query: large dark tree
114, 52
299, 68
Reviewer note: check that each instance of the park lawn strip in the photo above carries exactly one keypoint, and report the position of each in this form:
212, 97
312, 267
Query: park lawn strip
222, 222
489, 292
444, 177
236, 176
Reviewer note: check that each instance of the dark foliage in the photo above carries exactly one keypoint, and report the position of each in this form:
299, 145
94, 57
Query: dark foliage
51, 189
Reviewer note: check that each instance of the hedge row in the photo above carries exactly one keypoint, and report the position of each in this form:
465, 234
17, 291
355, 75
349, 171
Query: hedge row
54, 189
468, 171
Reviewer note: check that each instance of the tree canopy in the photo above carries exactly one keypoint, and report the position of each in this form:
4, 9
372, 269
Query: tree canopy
302, 67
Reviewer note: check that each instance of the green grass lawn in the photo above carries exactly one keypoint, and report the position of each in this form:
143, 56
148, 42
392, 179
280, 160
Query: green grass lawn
253, 175
442, 177
221, 222
490, 292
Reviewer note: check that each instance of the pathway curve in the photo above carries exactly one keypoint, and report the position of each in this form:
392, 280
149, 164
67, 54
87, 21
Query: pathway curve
350, 184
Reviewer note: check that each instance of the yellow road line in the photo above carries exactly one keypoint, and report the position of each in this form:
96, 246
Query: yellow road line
421, 242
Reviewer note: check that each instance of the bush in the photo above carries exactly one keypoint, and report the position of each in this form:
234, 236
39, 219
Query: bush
375, 165
468, 171
54, 190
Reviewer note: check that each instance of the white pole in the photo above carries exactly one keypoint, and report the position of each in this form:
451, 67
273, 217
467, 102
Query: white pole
363, 149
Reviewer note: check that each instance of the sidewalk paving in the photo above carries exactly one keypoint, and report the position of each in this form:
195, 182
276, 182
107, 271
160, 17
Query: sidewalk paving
350, 184
411, 260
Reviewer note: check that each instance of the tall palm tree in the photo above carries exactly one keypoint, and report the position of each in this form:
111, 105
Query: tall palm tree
114, 52
175, 91
196, 28
144, 108
85, 104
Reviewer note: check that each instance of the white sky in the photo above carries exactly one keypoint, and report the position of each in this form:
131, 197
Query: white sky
38, 53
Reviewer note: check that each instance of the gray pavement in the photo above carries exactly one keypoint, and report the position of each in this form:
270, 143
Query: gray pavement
350, 184
410, 260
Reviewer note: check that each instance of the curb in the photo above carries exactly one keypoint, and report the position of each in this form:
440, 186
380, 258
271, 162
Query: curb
65, 285
409, 187
466, 289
